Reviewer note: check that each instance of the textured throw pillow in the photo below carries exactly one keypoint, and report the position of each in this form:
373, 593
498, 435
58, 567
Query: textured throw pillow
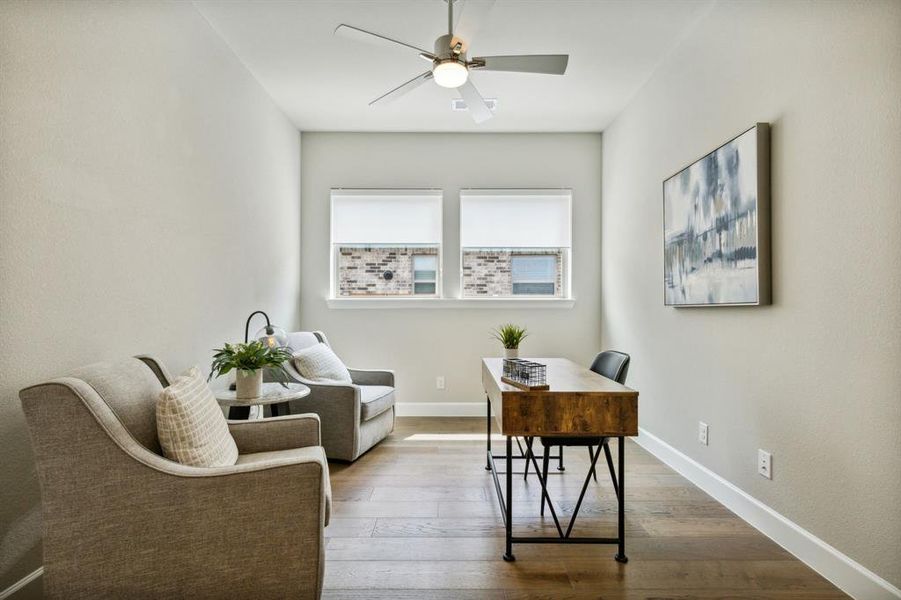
190, 425
319, 363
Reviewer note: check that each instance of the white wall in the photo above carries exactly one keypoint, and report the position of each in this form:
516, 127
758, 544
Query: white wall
421, 344
150, 201
816, 377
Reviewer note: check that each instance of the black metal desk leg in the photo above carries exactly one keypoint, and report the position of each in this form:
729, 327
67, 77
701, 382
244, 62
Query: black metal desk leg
508, 555
621, 526
488, 421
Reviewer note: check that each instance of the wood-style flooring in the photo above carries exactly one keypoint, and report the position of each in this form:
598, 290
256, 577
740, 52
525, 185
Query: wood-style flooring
417, 518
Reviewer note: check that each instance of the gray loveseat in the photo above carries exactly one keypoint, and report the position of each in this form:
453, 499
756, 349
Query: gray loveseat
122, 521
356, 416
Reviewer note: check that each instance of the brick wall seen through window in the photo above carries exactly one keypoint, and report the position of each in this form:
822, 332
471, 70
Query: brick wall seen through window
387, 271
493, 272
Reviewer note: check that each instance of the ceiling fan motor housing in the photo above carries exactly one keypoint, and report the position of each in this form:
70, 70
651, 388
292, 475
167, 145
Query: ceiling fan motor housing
449, 68
449, 48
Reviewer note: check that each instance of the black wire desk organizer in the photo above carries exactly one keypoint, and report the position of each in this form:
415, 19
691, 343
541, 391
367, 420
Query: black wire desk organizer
525, 374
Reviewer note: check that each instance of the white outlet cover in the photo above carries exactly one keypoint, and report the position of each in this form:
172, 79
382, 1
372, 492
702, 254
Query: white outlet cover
439, 382
765, 464
702, 432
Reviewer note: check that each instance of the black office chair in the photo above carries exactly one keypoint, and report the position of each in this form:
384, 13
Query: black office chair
612, 365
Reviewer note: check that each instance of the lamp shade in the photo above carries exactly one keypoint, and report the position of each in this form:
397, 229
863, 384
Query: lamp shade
450, 74
272, 336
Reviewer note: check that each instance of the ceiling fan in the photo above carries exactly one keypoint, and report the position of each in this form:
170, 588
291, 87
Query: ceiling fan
451, 67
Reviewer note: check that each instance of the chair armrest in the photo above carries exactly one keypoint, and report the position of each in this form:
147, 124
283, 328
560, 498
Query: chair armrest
372, 377
278, 433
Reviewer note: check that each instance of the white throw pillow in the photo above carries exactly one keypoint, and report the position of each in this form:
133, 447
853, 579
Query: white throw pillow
190, 425
319, 363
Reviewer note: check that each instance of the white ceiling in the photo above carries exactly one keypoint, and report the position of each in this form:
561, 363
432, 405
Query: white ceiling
324, 82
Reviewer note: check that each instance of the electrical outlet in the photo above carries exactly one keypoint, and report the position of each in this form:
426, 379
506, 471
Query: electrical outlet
765, 464
702, 432
439, 382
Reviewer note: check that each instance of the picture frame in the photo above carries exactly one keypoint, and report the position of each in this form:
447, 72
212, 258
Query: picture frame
716, 221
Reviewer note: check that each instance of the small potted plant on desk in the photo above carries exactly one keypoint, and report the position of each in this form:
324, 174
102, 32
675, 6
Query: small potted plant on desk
248, 361
511, 336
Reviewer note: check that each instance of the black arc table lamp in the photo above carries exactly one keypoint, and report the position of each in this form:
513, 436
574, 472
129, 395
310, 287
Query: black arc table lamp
272, 336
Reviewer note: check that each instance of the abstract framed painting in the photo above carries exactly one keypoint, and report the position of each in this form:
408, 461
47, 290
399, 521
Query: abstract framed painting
716, 239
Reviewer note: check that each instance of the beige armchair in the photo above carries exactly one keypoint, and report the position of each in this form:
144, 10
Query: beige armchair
122, 521
355, 416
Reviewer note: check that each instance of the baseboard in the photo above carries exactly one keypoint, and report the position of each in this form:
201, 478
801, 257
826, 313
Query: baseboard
21, 583
440, 409
851, 577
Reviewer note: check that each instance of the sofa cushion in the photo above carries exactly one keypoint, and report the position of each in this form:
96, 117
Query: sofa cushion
319, 363
190, 425
375, 399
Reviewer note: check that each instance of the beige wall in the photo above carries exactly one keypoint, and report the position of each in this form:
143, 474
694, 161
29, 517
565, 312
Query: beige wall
816, 377
150, 201
421, 344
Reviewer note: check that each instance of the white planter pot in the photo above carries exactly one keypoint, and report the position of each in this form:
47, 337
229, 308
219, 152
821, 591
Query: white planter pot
248, 384
511, 352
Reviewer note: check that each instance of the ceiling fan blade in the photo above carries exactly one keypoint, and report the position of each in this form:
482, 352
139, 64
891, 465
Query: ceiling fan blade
403, 88
470, 16
361, 35
474, 102
551, 64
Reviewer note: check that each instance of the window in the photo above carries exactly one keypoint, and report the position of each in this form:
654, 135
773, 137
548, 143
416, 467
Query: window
515, 243
534, 275
385, 243
425, 274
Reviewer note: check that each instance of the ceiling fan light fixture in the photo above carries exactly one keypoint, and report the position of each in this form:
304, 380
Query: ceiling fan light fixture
449, 63
450, 73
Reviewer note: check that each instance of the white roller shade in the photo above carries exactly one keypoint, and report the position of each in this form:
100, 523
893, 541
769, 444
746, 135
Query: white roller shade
515, 218
386, 216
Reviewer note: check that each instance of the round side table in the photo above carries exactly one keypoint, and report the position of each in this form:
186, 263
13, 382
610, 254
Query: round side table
273, 394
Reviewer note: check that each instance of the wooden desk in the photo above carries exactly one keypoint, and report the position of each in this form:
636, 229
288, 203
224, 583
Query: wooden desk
579, 403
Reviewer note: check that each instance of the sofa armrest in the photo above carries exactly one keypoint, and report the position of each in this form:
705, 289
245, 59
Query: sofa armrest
372, 377
277, 433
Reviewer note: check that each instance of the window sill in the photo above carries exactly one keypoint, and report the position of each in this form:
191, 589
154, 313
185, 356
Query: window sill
517, 303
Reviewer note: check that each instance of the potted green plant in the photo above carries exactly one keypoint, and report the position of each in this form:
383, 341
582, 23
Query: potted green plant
248, 361
511, 336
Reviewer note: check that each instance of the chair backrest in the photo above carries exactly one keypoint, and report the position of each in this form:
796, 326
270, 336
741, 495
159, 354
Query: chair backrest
130, 387
298, 340
612, 365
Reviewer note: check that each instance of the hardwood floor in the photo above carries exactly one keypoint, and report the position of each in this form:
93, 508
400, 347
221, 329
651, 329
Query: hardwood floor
416, 518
